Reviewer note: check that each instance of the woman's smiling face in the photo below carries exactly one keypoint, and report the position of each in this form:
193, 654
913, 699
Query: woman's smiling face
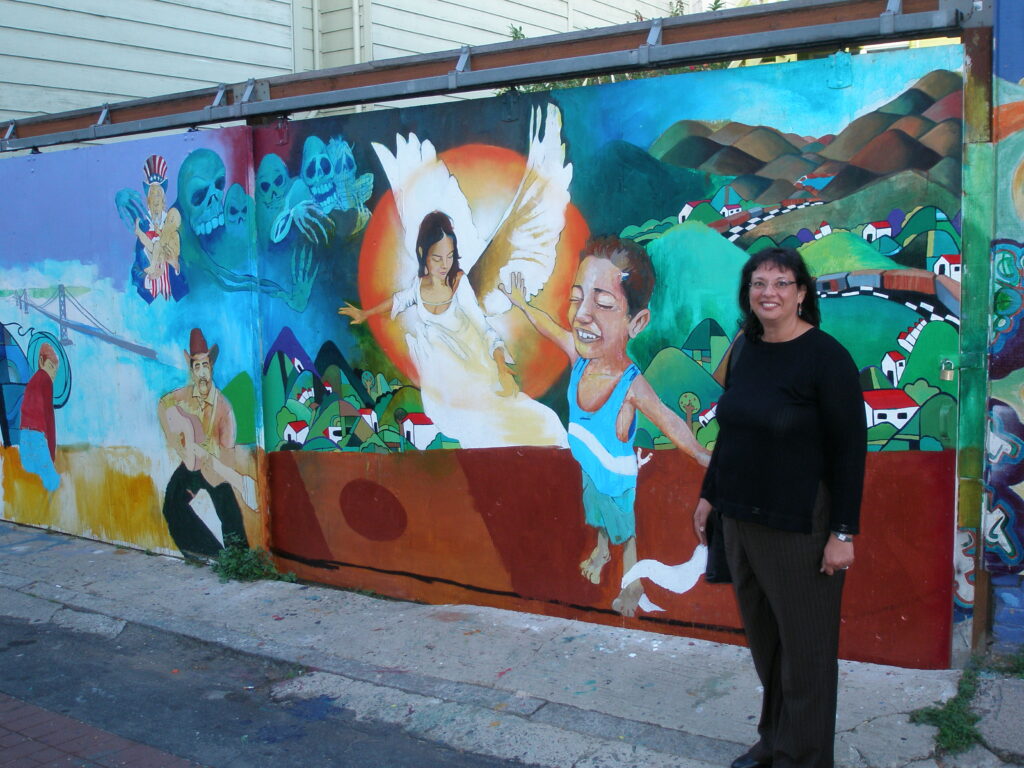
774, 294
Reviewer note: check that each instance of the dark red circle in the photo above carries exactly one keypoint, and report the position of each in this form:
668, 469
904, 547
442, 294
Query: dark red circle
372, 511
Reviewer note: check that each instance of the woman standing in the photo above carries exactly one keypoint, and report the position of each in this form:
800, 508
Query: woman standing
786, 475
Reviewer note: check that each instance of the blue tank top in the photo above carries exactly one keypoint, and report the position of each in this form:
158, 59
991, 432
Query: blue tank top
610, 462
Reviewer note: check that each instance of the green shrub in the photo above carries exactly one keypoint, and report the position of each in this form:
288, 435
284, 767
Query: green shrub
236, 561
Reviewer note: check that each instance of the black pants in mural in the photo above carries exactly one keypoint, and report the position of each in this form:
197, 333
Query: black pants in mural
189, 532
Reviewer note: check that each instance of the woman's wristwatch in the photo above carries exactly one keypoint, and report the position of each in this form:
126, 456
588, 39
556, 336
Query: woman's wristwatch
842, 536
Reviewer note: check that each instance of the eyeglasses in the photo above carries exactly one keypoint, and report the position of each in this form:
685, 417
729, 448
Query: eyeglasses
778, 285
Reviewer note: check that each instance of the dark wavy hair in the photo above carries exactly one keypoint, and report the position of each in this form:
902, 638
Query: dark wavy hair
633, 263
433, 229
783, 258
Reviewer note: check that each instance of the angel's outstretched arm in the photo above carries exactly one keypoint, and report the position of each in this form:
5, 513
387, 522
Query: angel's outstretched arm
358, 315
541, 320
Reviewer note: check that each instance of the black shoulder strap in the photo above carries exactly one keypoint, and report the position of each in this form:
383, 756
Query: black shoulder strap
737, 347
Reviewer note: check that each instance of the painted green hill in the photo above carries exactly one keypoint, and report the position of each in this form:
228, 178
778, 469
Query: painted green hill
843, 252
697, 273
872, 203
644, 188
671, 373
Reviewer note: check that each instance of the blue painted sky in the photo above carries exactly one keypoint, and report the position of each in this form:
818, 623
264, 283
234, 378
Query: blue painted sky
77, 220
793, 97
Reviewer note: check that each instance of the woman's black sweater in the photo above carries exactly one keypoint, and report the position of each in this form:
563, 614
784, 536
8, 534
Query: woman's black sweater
792, 416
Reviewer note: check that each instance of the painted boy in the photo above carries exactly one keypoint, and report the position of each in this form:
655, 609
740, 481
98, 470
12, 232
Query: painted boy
607, 308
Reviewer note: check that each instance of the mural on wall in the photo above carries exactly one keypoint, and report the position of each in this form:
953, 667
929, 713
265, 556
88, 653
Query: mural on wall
102, 458
1003, 519
403, 308
460, 299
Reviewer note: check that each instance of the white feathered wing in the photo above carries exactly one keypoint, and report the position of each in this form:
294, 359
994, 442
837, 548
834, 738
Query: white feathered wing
526, 236
421, 183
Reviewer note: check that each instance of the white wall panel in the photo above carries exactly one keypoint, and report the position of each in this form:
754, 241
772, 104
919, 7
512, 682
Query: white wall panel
111, 50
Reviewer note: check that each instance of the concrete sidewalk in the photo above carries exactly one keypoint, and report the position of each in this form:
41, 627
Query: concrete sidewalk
546, 691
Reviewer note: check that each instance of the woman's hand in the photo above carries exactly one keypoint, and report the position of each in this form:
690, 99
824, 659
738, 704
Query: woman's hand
838, 556
700, 520
356, 315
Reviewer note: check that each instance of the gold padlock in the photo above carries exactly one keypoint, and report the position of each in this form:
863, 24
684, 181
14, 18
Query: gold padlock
946, 370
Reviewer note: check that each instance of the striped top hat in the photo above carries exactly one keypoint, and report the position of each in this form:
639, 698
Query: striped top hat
154, 170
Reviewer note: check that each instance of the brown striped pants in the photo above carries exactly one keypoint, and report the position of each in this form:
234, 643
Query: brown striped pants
790, 613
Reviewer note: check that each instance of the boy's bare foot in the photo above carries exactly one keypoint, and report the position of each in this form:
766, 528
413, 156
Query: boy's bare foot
591, 567
628, 599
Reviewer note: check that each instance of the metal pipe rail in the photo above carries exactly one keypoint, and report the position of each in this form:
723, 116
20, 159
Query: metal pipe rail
783, 27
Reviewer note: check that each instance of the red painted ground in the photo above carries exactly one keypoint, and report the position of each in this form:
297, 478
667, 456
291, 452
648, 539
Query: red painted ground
504, 527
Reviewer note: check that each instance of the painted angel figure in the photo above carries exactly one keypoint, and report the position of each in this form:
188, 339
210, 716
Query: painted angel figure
463, 364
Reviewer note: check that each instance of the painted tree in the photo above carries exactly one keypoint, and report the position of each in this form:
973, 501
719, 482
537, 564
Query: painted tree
689, 404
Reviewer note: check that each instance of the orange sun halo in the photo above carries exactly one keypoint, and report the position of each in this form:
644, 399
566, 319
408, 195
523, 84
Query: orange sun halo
488, 177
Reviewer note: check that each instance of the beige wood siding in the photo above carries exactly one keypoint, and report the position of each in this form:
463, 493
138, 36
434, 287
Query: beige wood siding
304, 52
67, 54
336, 33
588, 14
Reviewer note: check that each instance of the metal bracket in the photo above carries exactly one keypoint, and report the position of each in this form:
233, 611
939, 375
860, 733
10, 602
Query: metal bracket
222, 90
12, 130
973, 13
464, 65
643, 53
250, 86
887, 21
104, 115
251, 91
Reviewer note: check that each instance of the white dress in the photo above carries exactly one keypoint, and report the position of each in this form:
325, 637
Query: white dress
453, 354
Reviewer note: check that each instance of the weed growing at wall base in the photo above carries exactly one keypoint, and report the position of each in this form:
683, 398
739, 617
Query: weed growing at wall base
955, 719
236, 561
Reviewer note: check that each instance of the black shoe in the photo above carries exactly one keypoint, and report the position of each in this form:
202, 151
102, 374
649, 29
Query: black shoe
746, 760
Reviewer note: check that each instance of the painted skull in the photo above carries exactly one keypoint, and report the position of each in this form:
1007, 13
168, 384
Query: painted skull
271, 182
318, 169
236, 206
201, 184
340, 153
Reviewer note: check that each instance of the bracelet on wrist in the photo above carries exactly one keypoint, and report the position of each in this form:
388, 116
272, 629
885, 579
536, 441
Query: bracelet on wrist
842, 536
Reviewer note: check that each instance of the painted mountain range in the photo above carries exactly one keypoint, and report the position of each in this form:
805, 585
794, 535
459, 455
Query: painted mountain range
919, 131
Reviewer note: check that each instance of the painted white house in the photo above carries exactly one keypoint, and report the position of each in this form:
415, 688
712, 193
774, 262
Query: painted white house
370, 417
908, 338
823, 230
730, 209
889, 406
893, 364
59, 55
688, 207
296, 432
334, 434
419, 430
948, 264
706, 416
306, 393
875, 230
